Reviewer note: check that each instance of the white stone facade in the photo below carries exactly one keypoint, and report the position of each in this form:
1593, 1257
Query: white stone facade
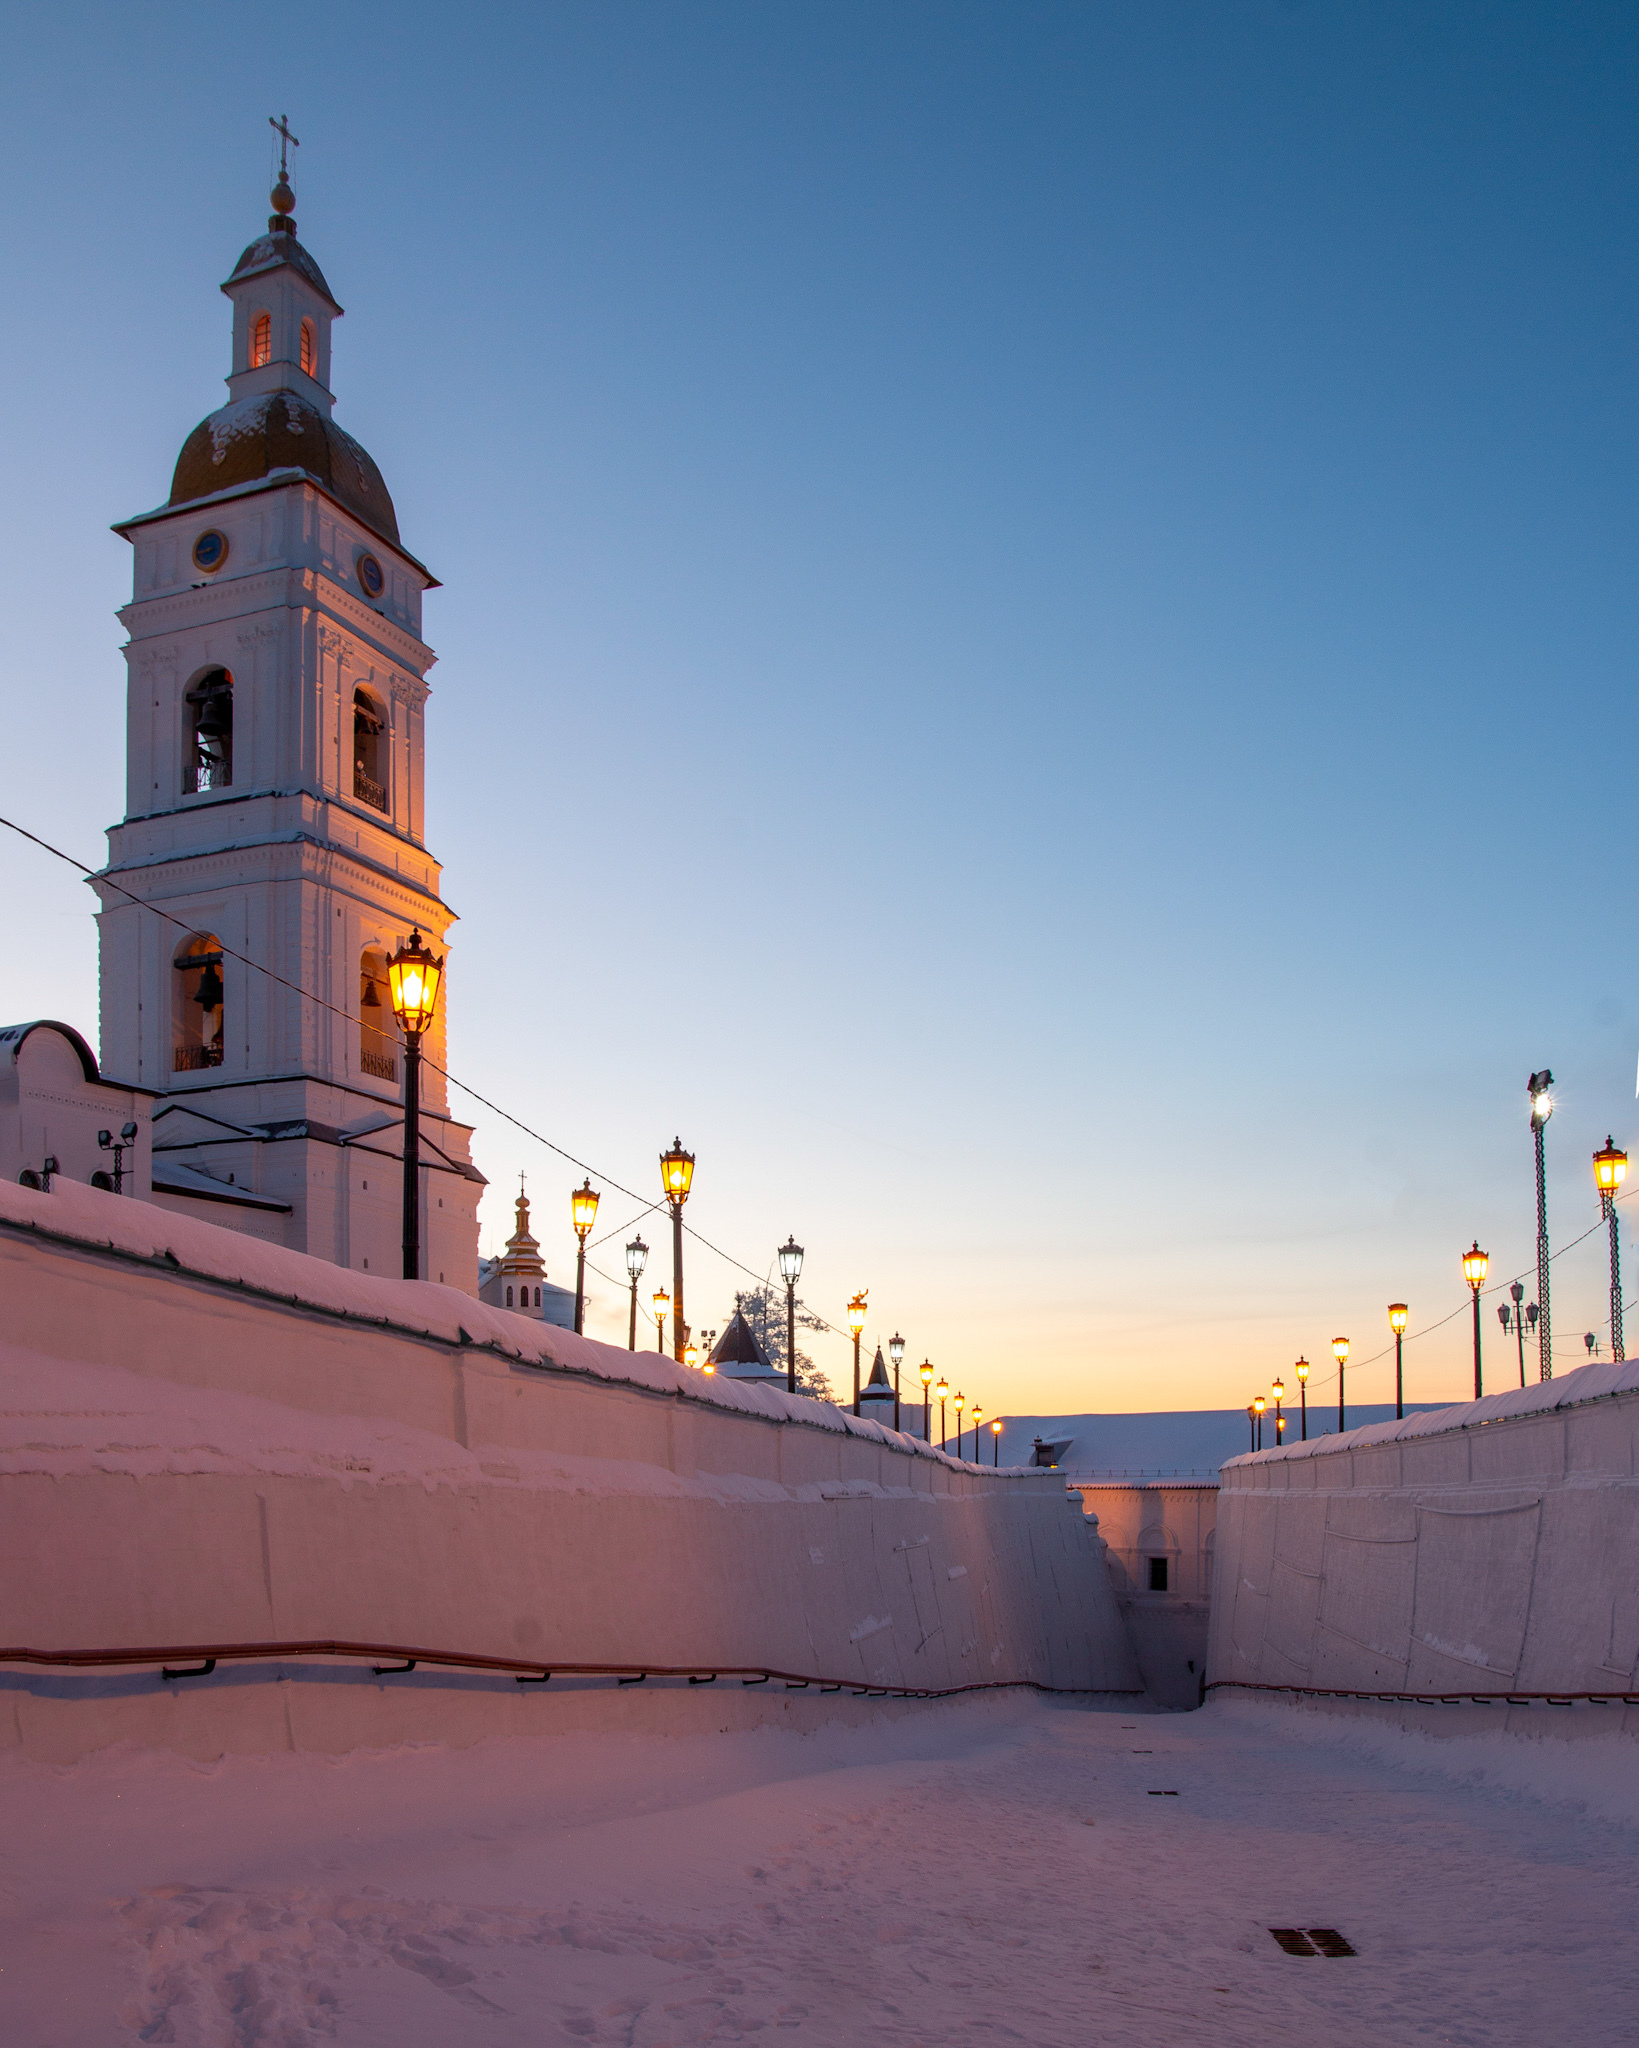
300, 849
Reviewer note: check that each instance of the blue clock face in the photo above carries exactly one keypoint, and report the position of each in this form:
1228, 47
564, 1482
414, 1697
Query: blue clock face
210, 551
371, 580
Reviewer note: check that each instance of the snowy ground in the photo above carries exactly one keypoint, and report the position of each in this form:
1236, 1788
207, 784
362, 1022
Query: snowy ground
991, 1872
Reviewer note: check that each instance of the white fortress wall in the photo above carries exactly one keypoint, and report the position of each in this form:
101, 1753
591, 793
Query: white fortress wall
1486, 1549
209, 1440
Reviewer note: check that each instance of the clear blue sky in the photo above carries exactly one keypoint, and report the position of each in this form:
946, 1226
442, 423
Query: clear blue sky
1038, 628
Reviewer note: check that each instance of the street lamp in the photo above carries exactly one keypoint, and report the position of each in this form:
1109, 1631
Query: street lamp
790, 1273
691, 1354
1258, 1405
583, 1208
1278, 1393
896, 1353
1340, 1351
974, 1416
662, 1306
1539, 1088
1474, 1265
1610, 1169
996, 1443
676, 1178
941, 1391
1251, 1427
413, 975
1302, 1371
1399, 1315
637, 1257
958, 1401
856, 1323
119, 1147
1524, 1312
925, 1369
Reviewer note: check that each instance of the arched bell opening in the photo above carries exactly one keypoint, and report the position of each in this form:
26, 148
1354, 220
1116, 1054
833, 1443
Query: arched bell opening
207, 751
198, 1004
369, 750
378, 1034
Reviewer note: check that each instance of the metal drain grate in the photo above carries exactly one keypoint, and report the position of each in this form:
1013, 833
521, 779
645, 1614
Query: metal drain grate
1312, 1941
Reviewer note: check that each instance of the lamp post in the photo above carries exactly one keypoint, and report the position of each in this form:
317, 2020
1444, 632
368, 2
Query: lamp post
1278, 1393
691, 1354
925, 1369
1540, 1088
637, 1257
1251, 1427
413, 975
941, 1391
1399, 1315
1258, 1406
1524, 1312
583, 1209
662, 1304
958, 1401
1610, 1169
790, 1273
996, 1443
974, 1416
1340, 1351
1474, 1265
119, 1147
677, 1177
896, 1353
1302, 1371
856, 1323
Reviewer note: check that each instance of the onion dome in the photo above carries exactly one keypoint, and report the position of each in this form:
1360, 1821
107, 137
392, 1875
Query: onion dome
280, 430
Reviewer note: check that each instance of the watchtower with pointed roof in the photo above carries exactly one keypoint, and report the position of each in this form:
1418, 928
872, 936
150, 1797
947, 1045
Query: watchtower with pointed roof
273, 838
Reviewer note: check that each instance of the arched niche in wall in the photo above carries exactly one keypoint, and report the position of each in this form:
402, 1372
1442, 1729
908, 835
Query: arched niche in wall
198, 1004
378, 1033
370, 766
207, 733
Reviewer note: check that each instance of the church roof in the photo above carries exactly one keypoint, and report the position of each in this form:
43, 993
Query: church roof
279, 430
879, 1387
271, 250
738, 1345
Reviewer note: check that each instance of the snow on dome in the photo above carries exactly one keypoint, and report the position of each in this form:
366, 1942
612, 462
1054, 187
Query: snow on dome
245, 440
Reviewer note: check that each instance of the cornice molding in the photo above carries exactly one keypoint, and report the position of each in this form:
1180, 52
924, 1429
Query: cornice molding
287, 588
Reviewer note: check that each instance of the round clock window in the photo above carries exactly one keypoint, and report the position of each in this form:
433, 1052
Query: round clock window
210, 551
371, 580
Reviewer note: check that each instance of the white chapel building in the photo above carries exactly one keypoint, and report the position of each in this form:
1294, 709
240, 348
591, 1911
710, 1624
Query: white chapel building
274, 814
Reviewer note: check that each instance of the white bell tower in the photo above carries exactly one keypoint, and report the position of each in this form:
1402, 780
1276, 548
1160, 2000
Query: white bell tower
274, 815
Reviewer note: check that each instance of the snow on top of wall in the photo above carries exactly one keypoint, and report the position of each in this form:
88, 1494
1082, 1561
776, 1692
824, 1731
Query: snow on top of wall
139, 1230
1581, 1383
62, 1418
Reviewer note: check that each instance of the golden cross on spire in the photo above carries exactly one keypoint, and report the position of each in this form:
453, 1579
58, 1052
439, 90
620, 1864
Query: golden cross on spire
281, 128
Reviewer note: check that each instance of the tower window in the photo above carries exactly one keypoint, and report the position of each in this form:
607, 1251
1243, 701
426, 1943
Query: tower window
207, 747
509, 1297
369, 750
1158, 1574
261, 341
377, 1052
310, 350
198, 1004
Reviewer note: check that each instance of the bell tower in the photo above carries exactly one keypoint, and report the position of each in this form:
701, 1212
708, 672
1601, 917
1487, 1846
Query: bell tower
274, 836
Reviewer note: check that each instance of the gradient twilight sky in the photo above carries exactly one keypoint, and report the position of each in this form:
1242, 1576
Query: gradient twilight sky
1038, 627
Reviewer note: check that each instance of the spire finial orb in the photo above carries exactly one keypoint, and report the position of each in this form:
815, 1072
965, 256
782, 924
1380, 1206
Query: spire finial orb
284, 199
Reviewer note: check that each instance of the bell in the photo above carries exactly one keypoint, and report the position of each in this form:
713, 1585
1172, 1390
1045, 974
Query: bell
210, 989
369, 999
